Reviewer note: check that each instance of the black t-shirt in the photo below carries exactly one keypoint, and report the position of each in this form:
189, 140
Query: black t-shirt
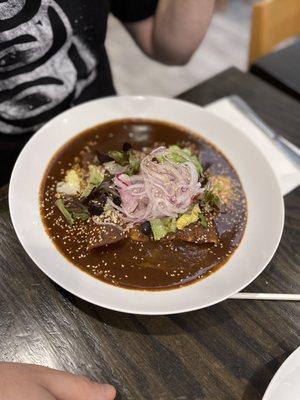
52, 56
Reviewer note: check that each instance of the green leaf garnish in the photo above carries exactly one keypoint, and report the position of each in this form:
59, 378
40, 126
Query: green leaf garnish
121, 157
202, 220
212, 199
82, 216
66, 214
124, 158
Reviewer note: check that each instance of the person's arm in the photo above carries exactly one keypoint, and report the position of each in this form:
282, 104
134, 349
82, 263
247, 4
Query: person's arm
175, 31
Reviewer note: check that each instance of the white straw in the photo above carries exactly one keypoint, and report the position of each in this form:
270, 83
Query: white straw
266, 296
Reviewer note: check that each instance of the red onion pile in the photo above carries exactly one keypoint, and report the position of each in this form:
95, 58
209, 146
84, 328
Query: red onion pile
159, 190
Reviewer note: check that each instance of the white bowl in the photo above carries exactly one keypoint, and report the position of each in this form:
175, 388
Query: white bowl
265, 206
285, 384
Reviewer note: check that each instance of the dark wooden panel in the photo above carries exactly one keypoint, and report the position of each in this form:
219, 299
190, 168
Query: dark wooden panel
226, 352
281, 69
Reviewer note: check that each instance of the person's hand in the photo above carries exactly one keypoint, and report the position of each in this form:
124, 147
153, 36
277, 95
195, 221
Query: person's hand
24, 382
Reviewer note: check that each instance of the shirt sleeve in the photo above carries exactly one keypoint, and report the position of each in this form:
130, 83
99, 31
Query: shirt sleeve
133, 10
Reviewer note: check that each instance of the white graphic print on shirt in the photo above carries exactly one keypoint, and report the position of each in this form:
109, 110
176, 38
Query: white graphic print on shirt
43, 65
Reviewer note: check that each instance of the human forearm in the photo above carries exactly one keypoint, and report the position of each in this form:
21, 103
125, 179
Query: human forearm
175, 31
179, 27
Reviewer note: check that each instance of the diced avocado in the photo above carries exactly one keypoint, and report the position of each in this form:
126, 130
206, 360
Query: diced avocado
71, 184
188, 218
159, 230
162, 226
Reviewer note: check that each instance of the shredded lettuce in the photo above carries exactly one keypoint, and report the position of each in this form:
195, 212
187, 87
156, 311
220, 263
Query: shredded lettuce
66, 214
121, 157
95, 179
70, 216
114, 168
162, 226
95, 176
134, 163
71, 183
178, 155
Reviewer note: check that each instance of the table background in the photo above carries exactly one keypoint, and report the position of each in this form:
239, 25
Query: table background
228, 351
281, 69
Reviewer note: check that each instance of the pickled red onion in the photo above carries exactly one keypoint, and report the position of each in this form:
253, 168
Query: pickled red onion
159, 190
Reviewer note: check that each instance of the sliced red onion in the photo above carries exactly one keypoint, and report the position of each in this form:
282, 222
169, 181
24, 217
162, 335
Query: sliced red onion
159, 190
